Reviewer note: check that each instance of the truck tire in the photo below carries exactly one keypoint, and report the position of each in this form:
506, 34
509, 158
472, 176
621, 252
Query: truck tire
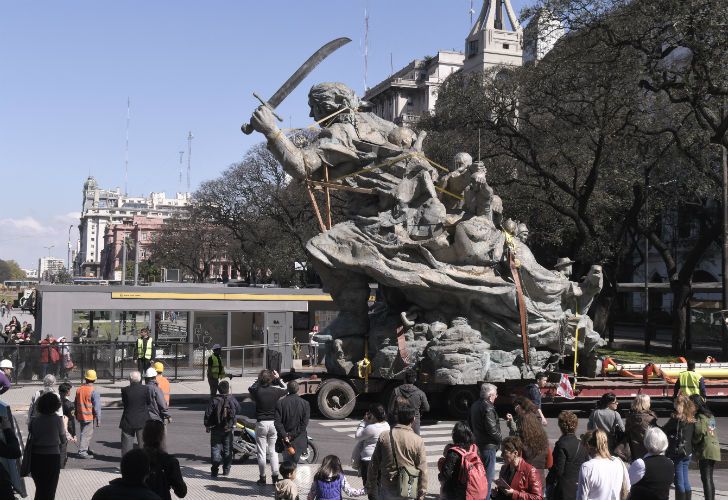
335, 399
459, 401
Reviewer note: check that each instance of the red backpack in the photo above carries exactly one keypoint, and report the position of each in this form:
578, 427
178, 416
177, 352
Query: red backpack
472, 473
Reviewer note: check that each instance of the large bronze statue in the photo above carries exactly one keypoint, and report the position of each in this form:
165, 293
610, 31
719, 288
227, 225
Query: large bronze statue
434, 242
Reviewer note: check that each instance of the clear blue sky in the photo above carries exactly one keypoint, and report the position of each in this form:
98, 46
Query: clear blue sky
68, 68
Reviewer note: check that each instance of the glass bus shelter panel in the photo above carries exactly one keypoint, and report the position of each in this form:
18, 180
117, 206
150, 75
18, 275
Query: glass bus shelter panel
171, 326
210, 328
93, 324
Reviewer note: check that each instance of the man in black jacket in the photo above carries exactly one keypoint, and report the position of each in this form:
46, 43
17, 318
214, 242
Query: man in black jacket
291, 421
486, 428
414, 397
134, 416
219, 421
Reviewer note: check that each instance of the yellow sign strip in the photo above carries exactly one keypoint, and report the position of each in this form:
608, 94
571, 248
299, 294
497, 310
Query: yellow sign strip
219, 296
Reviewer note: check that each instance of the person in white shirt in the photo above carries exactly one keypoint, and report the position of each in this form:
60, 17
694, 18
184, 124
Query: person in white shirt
604, 476
367, 434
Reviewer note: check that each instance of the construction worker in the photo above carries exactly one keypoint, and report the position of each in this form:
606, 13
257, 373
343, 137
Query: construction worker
6, 371
88, 412
689, 382
162, 381
144, 351
215, 369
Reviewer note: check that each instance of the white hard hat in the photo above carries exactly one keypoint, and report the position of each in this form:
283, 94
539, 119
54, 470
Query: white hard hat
6, 363
150, 373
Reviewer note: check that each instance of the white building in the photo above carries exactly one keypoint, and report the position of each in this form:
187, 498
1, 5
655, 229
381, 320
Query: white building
540, 36
48, 267
30, 273
412, 91
102, 207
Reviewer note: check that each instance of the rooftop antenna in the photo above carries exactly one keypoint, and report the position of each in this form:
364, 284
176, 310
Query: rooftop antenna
189, 157
181, 154
366, 48
472, 11
126, 153
391, 64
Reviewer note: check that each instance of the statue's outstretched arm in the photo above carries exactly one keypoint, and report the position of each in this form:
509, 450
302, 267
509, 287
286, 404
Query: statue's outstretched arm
296, 162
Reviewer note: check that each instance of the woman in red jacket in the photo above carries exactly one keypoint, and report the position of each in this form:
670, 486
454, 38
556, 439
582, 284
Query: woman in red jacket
518, 479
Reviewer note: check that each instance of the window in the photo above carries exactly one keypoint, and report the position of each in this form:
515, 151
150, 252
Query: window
472, 48
506, 46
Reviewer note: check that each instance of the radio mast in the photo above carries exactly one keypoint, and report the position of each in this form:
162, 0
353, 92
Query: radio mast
126, 149
189, 157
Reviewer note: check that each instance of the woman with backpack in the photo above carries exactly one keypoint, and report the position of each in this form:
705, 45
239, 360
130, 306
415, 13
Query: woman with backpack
462, 474
705, 445
606, 418
329, 482
164, 471
680, 429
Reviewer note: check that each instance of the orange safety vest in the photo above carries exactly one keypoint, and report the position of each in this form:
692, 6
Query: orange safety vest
163, 384
84, 403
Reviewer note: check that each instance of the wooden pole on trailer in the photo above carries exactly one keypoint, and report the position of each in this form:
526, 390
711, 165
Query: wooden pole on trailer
327, 192
314, 203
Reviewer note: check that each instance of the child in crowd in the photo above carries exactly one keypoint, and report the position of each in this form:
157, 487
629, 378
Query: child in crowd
329, 481
286, 488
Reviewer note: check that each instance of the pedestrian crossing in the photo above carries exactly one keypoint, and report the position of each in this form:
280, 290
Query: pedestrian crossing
436, 436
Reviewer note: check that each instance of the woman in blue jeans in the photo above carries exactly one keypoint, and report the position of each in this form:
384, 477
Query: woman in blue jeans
679, 430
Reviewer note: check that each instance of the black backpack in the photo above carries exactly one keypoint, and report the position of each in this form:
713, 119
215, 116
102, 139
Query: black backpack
223, 414
676, 442
157, 480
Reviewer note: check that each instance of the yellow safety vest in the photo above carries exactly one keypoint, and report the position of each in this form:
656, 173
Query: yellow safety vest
689, 383
143, 353
217, 370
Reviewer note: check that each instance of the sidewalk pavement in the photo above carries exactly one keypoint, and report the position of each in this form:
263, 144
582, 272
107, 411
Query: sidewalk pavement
181, 392
78, 484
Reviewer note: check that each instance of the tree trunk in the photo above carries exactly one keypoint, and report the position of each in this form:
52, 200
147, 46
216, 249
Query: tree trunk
681, 292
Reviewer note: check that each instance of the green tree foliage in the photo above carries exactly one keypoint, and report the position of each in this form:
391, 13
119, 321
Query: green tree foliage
572, 142
10, 270
268, 216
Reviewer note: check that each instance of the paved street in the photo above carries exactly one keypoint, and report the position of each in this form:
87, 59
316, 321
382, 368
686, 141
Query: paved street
189, 443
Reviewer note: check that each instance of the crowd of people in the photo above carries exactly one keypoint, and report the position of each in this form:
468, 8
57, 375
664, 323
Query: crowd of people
614, 459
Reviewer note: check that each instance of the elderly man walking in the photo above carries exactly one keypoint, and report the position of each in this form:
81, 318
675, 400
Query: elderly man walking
486, 428
134, 416
291, 420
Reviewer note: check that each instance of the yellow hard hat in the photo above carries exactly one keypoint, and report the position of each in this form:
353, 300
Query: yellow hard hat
159, 367
90, 375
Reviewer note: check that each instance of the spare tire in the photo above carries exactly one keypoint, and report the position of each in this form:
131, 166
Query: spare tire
459, 401
335, 399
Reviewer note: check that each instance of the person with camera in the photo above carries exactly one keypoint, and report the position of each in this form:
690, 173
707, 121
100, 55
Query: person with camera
290, 420
367, 434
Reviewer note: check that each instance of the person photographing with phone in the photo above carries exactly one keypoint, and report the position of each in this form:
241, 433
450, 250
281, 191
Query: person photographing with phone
367, 433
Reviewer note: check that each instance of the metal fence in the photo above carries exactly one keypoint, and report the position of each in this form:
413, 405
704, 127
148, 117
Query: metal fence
111, 360
250, 359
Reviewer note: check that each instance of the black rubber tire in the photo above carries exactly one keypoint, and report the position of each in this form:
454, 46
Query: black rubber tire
310, 455
459, 401
335, 399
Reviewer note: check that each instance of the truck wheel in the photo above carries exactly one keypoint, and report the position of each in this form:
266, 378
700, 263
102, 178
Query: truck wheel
335, 399
459, 401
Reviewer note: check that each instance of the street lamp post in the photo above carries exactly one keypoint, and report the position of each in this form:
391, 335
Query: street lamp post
68, 264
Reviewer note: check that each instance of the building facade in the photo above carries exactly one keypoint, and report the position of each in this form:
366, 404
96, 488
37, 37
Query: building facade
412, 91
49, 267
103, 208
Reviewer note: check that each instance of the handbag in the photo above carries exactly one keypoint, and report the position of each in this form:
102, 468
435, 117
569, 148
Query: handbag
27, 452
408, 478
69, 365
